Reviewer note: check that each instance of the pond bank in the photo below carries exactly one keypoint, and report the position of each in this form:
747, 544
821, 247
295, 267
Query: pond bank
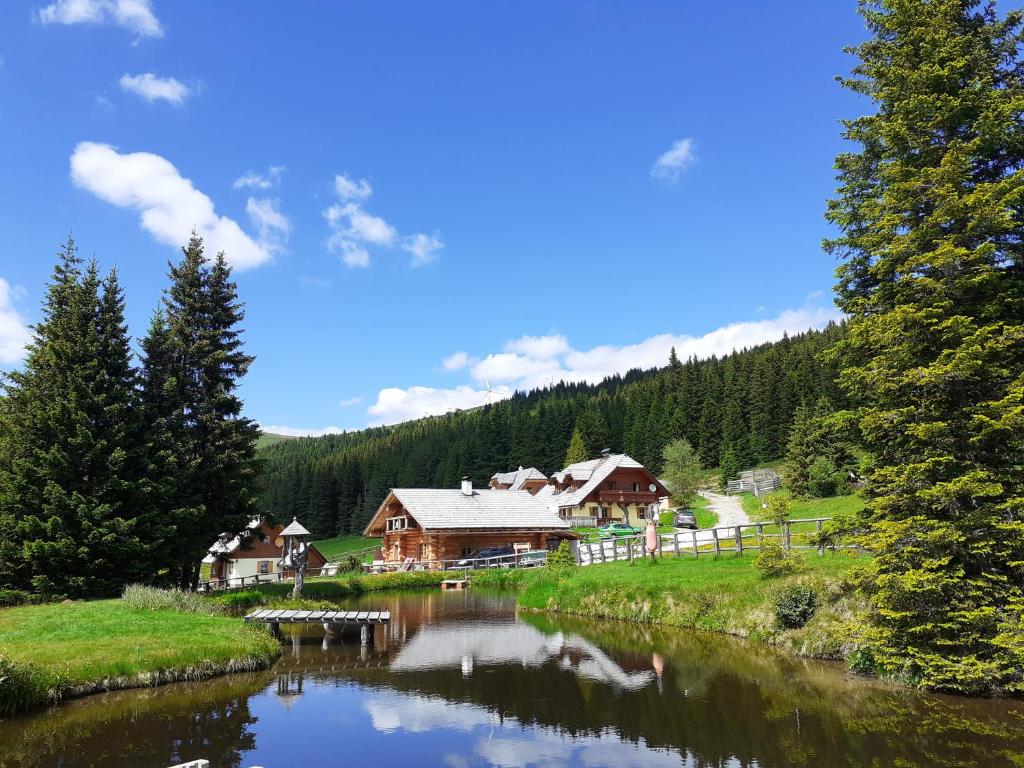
725, 595
58, 651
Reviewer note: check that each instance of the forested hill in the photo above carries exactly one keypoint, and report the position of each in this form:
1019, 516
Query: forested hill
740, 406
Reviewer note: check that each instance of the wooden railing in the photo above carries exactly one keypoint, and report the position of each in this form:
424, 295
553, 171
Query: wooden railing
626, 497
705, 541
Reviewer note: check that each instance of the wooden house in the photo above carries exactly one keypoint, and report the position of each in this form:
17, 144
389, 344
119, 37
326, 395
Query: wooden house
254, 551
612, 488
434, 524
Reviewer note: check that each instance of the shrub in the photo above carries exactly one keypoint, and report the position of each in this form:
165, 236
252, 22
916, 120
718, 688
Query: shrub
563, 557
824, 479
153, 599
11, 597
862, 662
774, 561
22, 687
351, 563
778, 505
794, 606
666, 518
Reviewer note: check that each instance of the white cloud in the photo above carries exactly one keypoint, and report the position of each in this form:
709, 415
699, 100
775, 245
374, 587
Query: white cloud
14, 331
672, 163
424, 248
134, 15
539, 347
169, 205
353, 228
394, 404
272, 225
456, 361
350, 401
300, 431
254, 180
153, 88
537, 361
350, 189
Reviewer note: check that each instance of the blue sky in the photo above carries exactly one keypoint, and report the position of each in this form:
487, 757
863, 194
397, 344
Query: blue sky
427, 201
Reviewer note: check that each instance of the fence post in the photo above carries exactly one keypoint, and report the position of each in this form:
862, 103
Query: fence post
629, 550
760, 536
696, 549
675, 543
718, 544
739, 541
821, 544
659, 545
785, 535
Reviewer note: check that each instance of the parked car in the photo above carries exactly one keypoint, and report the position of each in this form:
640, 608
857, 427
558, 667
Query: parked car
487, 552
617, 529
685, 518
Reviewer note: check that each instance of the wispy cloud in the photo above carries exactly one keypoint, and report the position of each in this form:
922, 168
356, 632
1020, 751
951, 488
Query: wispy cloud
348, 402
168, 204
537, 361
14, 330
153, 88
354, 229
272, 225
134, 15
672, 163
262, 181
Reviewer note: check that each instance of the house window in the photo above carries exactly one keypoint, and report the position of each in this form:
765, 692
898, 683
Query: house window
396, 551
397, 524
641, 513
263, 567
466, 550
611, 485
636, 487
423, 552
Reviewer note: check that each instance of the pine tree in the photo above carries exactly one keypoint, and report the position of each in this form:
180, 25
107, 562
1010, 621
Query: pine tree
217, 479
929, 210
577, 450
730, 469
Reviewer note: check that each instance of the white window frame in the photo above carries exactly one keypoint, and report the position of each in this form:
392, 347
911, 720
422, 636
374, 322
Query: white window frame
399, 523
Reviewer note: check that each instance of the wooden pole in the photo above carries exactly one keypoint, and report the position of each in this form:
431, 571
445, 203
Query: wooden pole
696, 549
821, 544
739, 541
718, 544
675, 543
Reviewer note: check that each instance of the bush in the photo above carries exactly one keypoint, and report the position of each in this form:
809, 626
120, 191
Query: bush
12, 597
563, 557
862, 662
666, 518
22, 687
824, 479
774, 561
794, 606
351, 563
153, 599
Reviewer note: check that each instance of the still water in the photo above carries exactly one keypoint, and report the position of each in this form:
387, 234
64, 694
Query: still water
460, 679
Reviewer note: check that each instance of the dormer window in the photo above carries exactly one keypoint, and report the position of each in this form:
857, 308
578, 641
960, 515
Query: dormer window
397, 523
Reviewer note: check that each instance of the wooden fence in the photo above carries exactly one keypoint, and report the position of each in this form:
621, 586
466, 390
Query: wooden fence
706, 541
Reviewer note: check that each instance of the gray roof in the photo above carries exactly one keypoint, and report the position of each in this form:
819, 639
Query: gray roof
436, 508
295, 529
514, 480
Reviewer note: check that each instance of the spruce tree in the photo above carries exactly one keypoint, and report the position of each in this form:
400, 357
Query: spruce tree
577, 451
929, 209
216, 479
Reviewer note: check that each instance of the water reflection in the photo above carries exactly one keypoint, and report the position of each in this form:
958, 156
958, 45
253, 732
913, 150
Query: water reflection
460, 680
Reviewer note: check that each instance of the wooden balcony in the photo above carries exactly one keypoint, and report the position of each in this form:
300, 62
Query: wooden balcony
626, 497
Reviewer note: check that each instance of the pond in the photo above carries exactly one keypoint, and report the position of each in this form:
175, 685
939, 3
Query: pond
460, 679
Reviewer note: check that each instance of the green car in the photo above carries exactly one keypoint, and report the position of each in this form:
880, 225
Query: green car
618, 529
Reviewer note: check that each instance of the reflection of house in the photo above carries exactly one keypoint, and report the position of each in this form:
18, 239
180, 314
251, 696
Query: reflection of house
448, 524
613, 487
253, 552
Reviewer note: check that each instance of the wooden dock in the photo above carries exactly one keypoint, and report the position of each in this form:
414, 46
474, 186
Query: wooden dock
267, 616
333, 622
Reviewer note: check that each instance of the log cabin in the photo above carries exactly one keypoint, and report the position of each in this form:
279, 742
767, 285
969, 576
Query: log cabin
440, 524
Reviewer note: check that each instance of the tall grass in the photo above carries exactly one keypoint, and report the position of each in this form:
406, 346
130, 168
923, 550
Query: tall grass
22, 687
145, 598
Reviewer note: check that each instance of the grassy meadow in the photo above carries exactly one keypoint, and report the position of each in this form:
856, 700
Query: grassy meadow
342, 545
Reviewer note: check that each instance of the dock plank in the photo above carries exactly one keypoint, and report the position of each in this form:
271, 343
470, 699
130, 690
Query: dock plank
361, 615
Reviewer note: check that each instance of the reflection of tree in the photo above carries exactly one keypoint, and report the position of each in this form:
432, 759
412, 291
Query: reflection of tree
724, 699
154, 727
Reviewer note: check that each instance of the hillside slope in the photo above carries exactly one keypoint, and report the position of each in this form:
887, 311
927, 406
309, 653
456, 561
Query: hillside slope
743, 403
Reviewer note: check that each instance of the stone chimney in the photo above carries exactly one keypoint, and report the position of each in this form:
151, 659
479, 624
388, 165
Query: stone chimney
467, 486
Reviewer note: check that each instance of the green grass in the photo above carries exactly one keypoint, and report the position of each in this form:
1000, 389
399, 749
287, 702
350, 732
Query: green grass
801, 508
725, 595
340, 545
107, 644
268, 438
705, 517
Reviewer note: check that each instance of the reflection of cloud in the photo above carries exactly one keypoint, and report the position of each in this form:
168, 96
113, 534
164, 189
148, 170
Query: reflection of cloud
510, 744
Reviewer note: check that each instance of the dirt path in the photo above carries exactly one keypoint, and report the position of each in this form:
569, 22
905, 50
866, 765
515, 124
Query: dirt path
728, 508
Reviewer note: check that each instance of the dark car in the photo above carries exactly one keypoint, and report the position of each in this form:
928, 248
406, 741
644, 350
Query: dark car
685, 518
480, 558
